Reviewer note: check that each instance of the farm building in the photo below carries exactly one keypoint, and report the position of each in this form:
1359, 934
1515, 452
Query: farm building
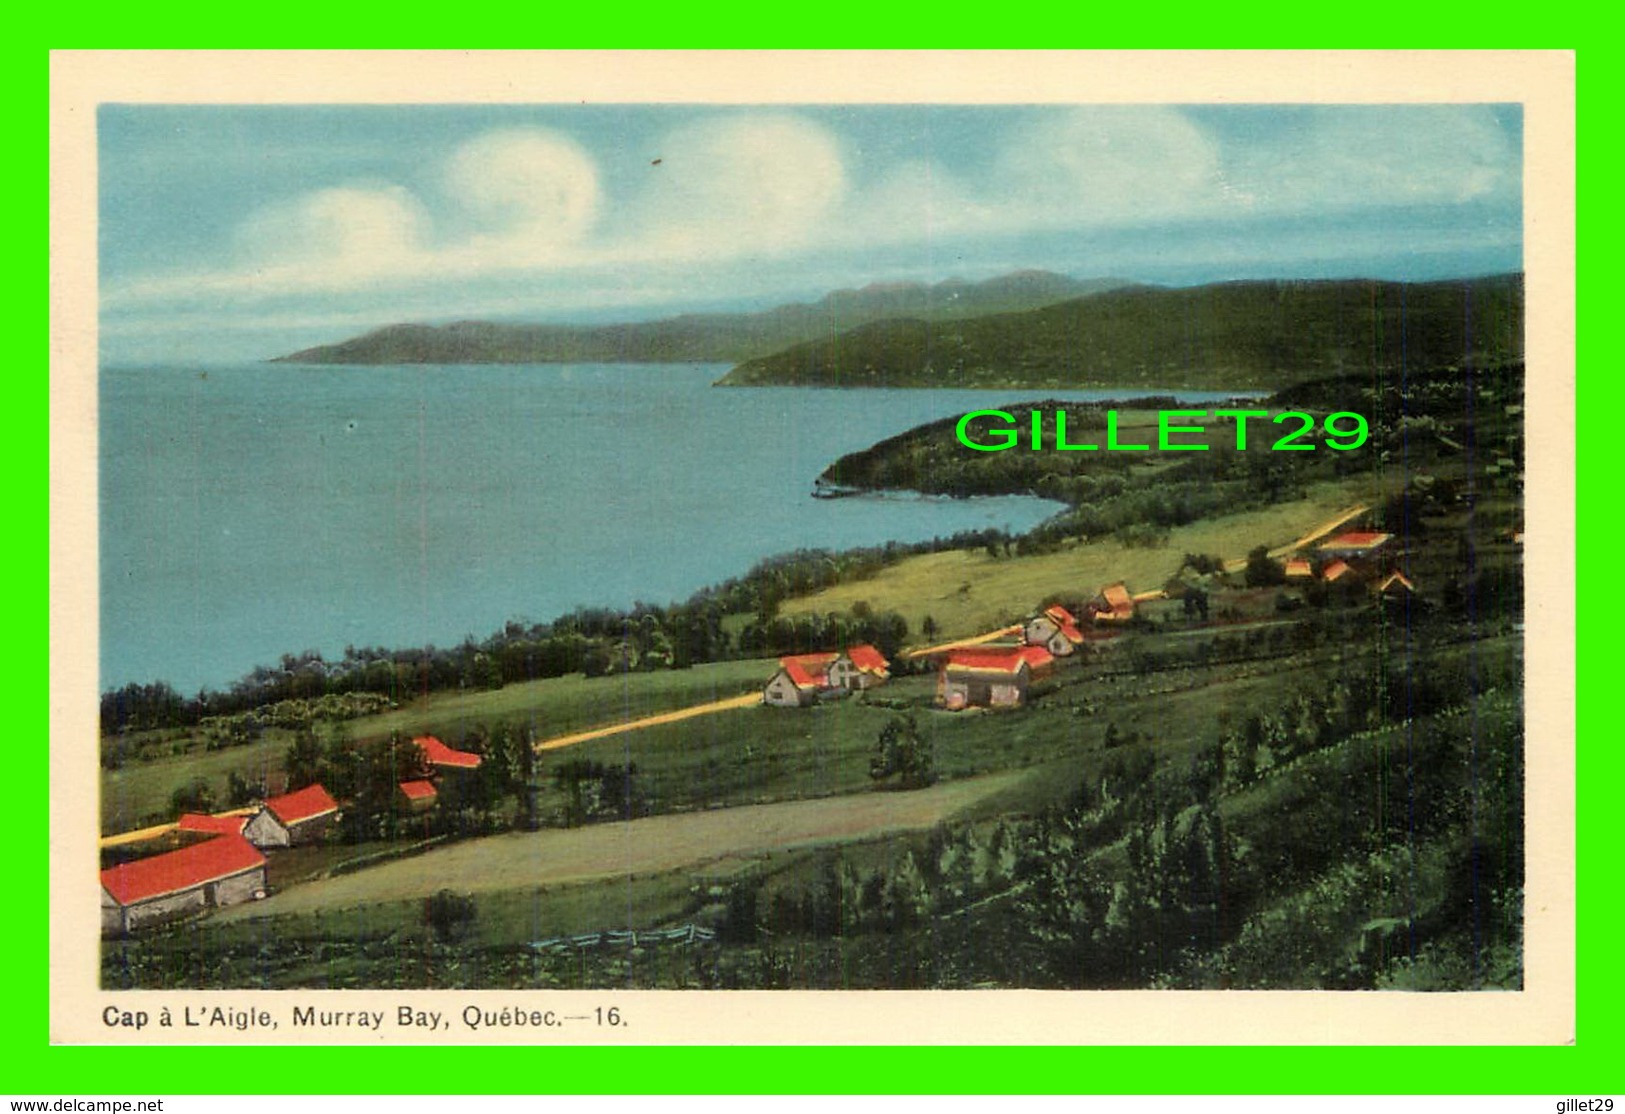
444, 758
1115, 605
1396, 584
1338, 571
1299, 568
861, 667
799, 680
1358, 545
420, 796
225, 870
990, 677
1055, 629
294, 818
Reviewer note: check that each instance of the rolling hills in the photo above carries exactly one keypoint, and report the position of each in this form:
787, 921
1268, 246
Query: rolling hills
700, 338
1226, 336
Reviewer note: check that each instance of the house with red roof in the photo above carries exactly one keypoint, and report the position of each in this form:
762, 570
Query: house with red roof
1396, 585
224, 870
1115, 605
801, 677
420, 796
990, 676
1339, 570
1299, 568
444, 758
1055, 629
860, 667
1356, 545
293, 818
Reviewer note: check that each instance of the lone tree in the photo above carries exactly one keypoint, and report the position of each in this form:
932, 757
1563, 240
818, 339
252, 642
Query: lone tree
901, 752
1261, 571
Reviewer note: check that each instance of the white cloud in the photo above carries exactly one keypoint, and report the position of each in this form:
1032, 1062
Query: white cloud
740, 183
357, 230
525, 188
1109, 165
1387, 155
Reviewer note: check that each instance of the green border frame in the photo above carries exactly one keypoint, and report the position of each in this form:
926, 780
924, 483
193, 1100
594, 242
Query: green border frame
1589, 1067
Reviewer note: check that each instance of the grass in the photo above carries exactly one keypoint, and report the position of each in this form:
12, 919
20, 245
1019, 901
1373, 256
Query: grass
139, 790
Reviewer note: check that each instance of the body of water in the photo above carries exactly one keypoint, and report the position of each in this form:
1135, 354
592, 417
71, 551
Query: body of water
253, 510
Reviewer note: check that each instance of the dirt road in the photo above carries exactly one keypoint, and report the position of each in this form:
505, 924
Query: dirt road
522, 860
749, 700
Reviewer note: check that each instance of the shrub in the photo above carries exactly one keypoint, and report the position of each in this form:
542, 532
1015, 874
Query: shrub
450, 915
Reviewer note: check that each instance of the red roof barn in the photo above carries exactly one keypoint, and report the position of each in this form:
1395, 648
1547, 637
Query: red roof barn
300, 817
221, 871
443, 757
420, 795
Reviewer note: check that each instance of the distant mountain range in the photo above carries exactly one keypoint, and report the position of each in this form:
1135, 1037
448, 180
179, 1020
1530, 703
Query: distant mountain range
1226, 336
703, 338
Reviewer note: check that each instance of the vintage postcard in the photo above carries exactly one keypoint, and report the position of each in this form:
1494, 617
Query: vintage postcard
547, 545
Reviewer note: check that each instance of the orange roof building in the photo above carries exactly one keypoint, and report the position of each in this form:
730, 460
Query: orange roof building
989, 677
442, 757
221, 871
420, 796
860, 667
1337, 571
1119, 604
1394, 581
1355, 544
303, 816
1055, 629
801, 677
1299, 568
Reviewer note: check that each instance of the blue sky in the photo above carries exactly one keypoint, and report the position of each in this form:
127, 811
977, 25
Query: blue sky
246, 232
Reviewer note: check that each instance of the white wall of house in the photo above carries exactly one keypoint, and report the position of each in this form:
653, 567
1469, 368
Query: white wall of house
782, 692
265, 830
238, 888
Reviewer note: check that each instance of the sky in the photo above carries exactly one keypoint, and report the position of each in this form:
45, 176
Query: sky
246, 232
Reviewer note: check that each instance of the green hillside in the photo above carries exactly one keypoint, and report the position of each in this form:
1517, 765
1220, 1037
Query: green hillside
700, 338
1228, 336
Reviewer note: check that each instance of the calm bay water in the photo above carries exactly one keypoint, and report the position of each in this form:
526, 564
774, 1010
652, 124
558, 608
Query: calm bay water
252, 510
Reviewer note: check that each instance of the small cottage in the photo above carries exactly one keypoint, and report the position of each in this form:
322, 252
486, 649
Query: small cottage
1055, 629
990, 677
1339, 571
1396, 585
224, 870
1299, 568
793, 686
444, 758
419, 796
294, 818
1115, 604
860, 667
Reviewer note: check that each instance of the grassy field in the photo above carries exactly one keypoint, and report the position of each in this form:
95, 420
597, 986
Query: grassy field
966, 593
